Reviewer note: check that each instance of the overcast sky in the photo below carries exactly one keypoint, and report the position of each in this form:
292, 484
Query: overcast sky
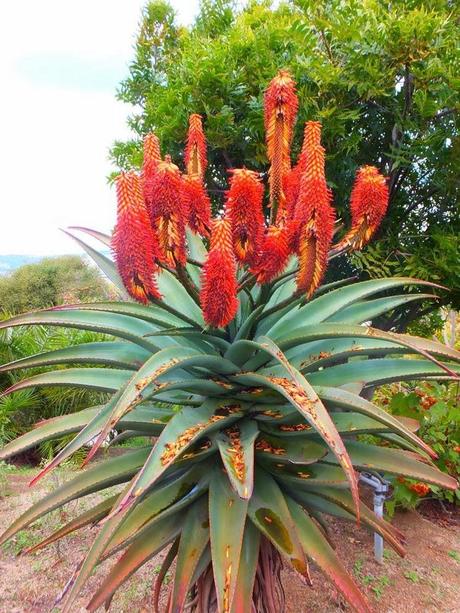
60, 64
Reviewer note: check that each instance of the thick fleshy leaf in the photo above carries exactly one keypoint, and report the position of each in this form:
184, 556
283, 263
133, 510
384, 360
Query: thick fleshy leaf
137, 554
327, 305
342, 499
193, 541
226, 509
107, 266
318, 549
161, 363
175, 296
303, 476
184, 429
303, 397
396, 462
98, 379
93, 515
198, 253
269, 512
347, 400
297, 450
378, 372
367, 310
236, 446
117, 354
101, 476
169, 496
105, 239
249, 557
122, 326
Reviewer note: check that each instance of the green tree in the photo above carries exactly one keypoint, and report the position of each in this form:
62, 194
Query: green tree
383, 77
50, 282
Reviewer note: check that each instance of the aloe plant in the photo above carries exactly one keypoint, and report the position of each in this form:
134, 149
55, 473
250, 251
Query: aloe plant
246, 370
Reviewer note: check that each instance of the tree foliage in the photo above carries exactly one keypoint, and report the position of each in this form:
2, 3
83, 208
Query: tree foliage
383, 77
50, 282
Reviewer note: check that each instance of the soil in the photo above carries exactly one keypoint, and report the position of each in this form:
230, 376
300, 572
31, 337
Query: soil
426, 580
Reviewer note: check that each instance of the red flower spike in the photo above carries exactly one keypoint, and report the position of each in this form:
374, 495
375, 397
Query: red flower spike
218, 296
312, 229
195, 149
152, 157
280, 109
164, 198
197, 205
368, 204
133, 241
274, 255
244, 207
311, 137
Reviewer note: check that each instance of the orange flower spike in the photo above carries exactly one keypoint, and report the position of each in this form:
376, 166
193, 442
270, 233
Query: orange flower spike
164, 197
195, 150
311, 137
197, 205
280, 109
313, 224
274, 255
368, 205
152, 157
133, 242
218, 296
244, 207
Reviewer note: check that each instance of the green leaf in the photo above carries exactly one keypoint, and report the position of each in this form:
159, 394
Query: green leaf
175, 296
121, 354
137, 554
184, 429
226, 509
193, 541
122, 326
105, 239
396, 462
320, 309
249, 557
107, 266
370, 309
318, 549
269, 512
104, 474
377, 372
239, 461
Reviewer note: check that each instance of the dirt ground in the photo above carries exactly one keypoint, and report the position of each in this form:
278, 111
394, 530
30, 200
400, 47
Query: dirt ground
426, 580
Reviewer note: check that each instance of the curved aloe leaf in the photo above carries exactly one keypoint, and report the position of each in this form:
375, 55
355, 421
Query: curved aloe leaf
303, 397
184, 429
347, 400
369, 309
226, 509
122, 326
135, 556
269, 512
107, 266
236, 446
396, 462
111, 472
327, 305
91, 516
176, 297
99, 379
377, 372
123, 355
318, 549
249, 556
105, 239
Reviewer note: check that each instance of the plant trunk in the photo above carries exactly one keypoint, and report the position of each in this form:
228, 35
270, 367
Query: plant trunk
268, 594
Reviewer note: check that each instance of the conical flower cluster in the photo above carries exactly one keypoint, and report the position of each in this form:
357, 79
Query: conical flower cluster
296, 227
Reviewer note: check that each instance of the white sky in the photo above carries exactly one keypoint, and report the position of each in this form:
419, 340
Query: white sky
60, 63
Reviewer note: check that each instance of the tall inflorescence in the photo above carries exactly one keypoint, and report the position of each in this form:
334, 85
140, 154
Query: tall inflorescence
133, 244
297, 227
218, 296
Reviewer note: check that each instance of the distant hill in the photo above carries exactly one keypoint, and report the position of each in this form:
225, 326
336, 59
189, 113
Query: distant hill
8, 263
